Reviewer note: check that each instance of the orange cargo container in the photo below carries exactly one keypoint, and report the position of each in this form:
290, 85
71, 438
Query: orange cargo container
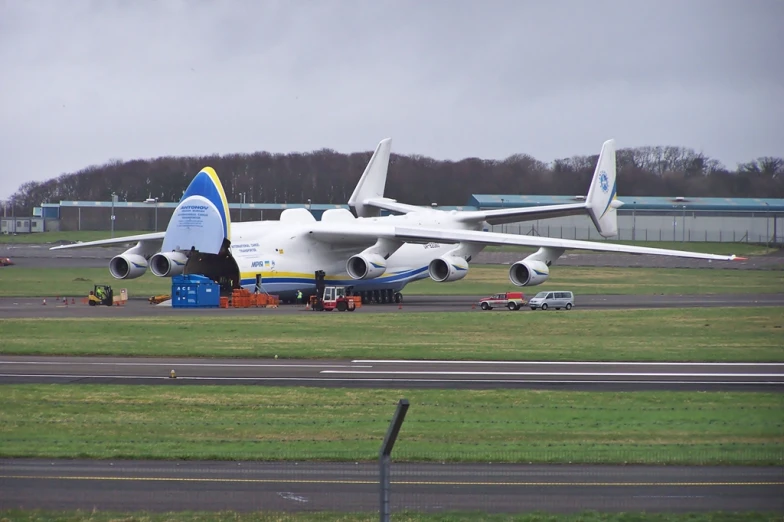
224, 302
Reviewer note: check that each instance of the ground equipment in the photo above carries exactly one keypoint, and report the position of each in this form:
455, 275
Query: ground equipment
101, 295
158, 299
334, 297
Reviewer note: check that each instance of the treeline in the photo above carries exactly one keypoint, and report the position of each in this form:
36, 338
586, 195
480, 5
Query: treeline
326, 176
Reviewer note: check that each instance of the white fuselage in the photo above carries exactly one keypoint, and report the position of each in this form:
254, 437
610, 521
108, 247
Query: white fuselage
287, 260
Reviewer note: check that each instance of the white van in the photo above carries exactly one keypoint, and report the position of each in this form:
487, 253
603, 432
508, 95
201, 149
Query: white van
557, 300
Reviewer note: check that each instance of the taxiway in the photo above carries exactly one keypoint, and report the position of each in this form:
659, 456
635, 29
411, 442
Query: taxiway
312, 486
595, 376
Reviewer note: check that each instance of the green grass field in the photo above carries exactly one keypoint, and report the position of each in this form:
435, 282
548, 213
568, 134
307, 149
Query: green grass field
488, 279
285, 423
15, 515
690, 334
482, 280
53, 237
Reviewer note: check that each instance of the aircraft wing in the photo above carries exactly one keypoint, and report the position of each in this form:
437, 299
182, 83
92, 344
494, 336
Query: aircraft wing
364, 234
155, 236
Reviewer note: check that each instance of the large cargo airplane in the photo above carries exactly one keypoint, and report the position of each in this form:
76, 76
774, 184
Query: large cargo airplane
376, 255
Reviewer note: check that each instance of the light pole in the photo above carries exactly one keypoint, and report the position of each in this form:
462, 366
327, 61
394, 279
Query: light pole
154, 201
242, 202
683, 239
634, 220
114, 200
503, 226
767, 224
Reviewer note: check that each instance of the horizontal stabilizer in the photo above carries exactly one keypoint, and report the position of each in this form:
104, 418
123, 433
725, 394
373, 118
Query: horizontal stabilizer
392, 205
513, 215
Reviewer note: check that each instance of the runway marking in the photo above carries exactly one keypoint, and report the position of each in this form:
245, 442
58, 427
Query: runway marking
569, 363
178, 364
381, 379
571, 374
396, 482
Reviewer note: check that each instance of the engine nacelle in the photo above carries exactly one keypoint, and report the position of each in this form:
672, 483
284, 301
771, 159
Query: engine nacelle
127, 266
447, 268
168, 264
529, 272
366, 266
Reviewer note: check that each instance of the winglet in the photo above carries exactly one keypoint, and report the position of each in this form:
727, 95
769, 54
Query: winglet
736, 258
371, 184
602, 201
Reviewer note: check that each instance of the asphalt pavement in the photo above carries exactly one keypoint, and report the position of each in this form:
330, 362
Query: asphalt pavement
594, 376
64, 306
329, 486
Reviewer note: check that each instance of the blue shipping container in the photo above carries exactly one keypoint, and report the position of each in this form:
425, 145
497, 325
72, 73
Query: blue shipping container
194, 291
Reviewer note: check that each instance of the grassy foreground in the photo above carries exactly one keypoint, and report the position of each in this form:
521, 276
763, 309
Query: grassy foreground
691, 334
230, 516
283, 423
481, 280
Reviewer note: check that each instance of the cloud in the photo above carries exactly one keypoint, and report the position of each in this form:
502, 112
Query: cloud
87, 81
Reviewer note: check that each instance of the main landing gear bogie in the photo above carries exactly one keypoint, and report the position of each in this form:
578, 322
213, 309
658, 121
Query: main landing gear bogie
380, 296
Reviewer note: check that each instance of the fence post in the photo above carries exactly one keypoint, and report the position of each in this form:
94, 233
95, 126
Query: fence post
384, 456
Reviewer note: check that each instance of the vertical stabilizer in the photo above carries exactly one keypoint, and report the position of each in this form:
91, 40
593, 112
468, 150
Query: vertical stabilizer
201, 220
602, 200
373, 180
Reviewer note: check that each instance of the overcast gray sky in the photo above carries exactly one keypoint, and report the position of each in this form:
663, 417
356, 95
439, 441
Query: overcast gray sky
86, 81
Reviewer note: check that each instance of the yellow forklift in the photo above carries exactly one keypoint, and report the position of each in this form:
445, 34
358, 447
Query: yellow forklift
101, 295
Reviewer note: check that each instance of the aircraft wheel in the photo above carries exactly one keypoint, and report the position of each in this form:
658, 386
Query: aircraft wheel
398, 297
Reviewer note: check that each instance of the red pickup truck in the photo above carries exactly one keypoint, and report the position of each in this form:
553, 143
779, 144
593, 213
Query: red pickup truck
511, 300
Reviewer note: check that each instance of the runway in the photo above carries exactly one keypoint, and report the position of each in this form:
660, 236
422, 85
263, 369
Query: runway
594, 376
308, 486
25, 307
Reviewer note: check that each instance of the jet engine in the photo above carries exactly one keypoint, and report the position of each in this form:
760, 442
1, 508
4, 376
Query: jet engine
366, 266
127, 266
447, 268
529, 272
168, 264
